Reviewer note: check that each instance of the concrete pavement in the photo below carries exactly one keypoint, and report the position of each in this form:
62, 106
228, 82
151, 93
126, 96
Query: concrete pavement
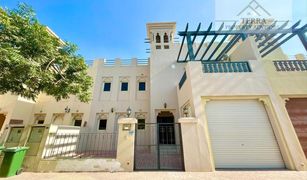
224, 175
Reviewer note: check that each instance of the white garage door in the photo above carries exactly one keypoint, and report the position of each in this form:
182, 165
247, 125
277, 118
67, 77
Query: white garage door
241, 135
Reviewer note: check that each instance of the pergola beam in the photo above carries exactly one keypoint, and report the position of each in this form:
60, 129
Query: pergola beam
268, 38
231, 43
238, 32
198, 28
186, 30
259, 36
277, 45
278, 38
272, 35
283, 41
220, 43
203, 40
211, 42
303, 38
190, 48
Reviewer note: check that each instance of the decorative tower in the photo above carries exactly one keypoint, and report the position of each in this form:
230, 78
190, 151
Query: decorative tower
164, 69
161, 35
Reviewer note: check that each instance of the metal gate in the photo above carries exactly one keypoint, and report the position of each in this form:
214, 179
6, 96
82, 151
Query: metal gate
158, 146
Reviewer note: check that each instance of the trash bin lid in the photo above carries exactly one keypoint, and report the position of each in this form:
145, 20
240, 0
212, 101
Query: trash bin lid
15, 149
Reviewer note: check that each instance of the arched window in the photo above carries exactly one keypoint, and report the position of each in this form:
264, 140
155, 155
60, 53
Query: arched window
158, 39
165, 37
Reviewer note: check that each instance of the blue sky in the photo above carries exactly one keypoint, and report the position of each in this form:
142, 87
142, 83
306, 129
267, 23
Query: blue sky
117, 28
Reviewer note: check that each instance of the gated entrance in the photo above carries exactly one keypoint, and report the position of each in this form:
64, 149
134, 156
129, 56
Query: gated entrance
158, 146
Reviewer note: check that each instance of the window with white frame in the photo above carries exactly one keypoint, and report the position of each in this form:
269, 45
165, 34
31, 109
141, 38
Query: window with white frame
107, 86
124, 86
142, 86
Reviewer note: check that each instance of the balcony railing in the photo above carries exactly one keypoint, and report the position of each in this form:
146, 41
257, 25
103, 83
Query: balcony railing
226, 67
182, 80
291, 65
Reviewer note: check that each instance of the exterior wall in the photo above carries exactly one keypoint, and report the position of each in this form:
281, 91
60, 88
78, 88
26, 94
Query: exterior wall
263, 83
15, 108
245, 50
109, 105
56, 110
164, 71
117, 100
286, 84
162, 76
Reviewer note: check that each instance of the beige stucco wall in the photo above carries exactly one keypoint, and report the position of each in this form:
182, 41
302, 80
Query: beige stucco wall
165, 72
15, 107
263, 83
116, 99
162, 76
286, 83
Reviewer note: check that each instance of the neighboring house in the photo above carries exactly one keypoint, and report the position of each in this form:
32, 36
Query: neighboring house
254, 109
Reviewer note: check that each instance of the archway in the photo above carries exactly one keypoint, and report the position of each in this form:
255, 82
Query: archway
165, 121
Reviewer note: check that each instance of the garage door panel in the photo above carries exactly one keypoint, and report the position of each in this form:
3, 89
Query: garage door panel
241, 135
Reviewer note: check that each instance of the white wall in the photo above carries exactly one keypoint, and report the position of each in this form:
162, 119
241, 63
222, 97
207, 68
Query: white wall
165, 72
15, 107
116, 99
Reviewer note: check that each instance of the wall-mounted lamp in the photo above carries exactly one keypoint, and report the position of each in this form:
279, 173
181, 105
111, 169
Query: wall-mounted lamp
67, 109
129, 111
112, 110
186, 111
165, 105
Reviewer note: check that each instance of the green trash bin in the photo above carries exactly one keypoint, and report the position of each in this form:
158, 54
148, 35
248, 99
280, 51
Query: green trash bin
12, 161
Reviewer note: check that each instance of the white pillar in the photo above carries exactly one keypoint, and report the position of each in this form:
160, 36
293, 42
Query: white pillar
191, 143
125, 144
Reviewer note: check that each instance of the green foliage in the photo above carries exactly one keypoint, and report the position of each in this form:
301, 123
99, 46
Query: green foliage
33, 60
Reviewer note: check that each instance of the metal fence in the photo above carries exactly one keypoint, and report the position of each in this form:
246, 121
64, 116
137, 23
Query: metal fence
82, 145
291, 65
226, 67
158, 146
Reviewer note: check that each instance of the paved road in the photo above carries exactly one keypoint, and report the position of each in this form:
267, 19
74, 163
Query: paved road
227, 175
